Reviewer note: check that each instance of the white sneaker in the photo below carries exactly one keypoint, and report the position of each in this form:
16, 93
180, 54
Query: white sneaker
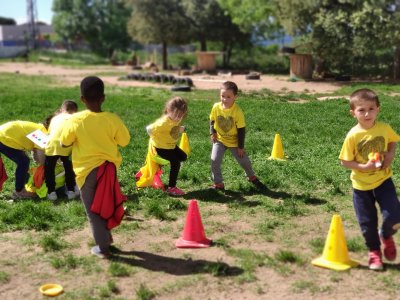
77, 191
71, 195
52, 196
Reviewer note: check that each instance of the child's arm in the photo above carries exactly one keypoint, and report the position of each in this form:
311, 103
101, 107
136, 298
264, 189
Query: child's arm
354, 165
241, 132
213, 132
389, 155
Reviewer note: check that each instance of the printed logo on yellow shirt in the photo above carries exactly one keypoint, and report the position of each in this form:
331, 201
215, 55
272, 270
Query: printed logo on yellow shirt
225, 124
377, 144
174, 133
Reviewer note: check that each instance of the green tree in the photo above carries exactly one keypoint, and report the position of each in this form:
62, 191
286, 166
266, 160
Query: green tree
158, 22
102, 23
7, 21
341, 33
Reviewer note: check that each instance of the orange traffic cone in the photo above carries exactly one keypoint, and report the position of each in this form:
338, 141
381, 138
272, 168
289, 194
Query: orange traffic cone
157, 182
193, 234
184, 144
335, 255
277, 149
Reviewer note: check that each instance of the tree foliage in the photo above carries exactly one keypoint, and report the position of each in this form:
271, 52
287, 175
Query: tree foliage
102, 23
7, 21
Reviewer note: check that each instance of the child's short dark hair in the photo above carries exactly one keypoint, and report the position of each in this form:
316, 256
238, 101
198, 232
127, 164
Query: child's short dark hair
363, 95
230, 85
92, 88
69, 106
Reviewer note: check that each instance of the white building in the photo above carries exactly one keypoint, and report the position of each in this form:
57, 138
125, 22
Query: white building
14, 38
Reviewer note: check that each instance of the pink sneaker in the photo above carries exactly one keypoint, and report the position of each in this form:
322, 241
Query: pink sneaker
389, 248
174, 191
375, 260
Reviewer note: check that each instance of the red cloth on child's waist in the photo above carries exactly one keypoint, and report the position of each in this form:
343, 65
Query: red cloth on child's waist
108, 198
3, 174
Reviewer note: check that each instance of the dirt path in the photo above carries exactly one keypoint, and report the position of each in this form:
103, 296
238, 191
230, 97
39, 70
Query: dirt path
72, 76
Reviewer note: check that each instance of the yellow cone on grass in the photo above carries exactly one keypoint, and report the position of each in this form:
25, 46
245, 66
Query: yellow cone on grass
277, 149
184, 144
335, 255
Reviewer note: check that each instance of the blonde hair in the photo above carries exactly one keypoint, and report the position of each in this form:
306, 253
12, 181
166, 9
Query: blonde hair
363, 95
175, 106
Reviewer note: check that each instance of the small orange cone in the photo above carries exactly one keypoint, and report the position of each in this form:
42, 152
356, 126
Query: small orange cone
335, 255
184, 144
193, 234
277, 149
157, 182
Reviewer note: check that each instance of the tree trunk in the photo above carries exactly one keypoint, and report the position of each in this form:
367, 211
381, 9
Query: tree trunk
396, 64
203, 44
165, 55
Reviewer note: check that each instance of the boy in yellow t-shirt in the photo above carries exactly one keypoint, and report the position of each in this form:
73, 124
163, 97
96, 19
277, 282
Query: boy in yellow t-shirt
368, 150
55, 152
14, 144
227, 131
95, 136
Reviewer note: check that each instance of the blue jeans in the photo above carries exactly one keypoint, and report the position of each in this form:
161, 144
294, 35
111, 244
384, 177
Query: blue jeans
22, 161
367, 215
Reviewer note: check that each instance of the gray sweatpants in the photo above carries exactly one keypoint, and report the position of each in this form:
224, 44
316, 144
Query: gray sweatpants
98, 225
217, 154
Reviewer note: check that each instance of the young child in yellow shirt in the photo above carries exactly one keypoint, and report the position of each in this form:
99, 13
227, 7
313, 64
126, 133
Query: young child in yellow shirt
95, 136
14, 144
55, 152
227, 131
164, 134
371, 176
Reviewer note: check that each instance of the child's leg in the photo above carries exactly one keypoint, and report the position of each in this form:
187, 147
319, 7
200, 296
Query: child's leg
49, 174
244, 162
98, 225
22, 161
69, 173
175, 156
217, 154
390, 207
367, 216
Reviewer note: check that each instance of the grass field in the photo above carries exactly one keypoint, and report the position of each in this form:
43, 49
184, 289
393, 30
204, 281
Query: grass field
263, 241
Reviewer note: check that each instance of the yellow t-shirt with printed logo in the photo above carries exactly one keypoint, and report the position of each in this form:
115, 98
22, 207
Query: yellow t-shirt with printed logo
226, 123
13, 134
56, 126
95, 138
164, 133
358, 144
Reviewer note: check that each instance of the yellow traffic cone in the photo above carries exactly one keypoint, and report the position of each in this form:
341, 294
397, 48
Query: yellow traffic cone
335, 255
184, 144
277, 149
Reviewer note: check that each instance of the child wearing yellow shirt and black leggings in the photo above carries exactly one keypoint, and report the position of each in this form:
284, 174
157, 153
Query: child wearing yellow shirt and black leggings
14, 144
55, 152
95, 136
164, 134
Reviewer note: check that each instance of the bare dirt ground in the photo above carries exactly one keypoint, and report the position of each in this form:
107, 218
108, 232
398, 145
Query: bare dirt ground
72, 76
149, 252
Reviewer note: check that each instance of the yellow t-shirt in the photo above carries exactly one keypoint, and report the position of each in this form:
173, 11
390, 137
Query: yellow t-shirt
226, 123
95, 138
13, 134
358, 144
164, 133
56, 126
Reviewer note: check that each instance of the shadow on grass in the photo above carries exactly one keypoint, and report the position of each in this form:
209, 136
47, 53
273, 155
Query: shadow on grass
172, 265
229, 196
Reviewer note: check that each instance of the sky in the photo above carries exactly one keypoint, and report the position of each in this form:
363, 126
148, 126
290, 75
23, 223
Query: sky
17, 10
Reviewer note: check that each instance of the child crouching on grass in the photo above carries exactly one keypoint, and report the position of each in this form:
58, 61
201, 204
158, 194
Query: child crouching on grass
95, 136
371, 179
13, 145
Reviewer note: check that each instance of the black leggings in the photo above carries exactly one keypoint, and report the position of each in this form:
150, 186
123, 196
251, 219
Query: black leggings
49, 172
175, 157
